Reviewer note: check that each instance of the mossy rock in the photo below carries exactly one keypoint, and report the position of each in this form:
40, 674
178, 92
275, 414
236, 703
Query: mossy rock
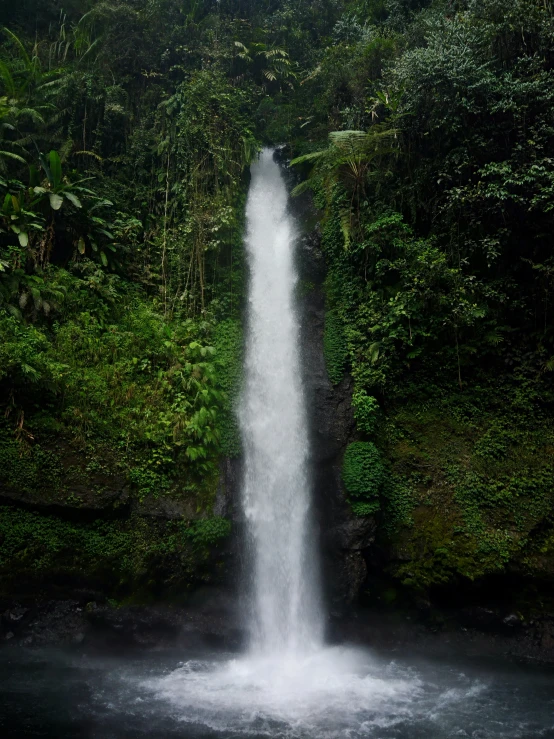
481, 496
56, 473
130, 556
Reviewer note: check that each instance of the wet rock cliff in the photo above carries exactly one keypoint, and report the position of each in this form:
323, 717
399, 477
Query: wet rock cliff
344, 538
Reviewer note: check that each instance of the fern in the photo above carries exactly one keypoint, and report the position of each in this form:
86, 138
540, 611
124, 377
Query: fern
347, 163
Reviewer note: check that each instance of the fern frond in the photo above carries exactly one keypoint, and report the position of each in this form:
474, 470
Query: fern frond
86, 153
308, 157
17, 41
11, 155
304, 186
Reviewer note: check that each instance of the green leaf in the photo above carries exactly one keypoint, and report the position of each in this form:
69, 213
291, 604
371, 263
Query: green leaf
55, 169
73, 199
23, 238
34, 177
374, 352
81, 246
104, 259
56, 201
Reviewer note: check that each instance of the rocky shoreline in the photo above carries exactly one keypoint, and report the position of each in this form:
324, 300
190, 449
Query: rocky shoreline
216, 624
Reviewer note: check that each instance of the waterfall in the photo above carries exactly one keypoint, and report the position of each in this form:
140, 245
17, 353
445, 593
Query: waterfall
285, 613
289, 684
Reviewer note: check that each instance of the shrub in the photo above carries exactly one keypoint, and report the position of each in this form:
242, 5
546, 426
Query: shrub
366, 411
363, 474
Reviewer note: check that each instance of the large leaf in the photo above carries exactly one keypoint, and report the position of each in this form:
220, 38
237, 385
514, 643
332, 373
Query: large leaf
55, 169
23, 238
73, 199
56, 201
34, 177
15, 312
81, 246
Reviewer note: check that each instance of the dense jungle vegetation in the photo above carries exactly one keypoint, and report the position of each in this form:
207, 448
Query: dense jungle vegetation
424, 129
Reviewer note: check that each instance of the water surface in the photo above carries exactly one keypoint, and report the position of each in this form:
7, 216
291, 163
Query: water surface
339, 693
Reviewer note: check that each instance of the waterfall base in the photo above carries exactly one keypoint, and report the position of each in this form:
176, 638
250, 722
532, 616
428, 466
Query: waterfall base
334, 693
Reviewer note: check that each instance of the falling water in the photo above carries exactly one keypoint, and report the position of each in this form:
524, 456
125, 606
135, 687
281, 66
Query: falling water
276, 492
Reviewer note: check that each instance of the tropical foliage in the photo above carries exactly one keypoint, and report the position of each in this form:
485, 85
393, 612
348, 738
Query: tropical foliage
424, 131
435, 189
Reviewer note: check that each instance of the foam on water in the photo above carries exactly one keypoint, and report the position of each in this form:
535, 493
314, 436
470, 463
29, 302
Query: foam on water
329, 692
332, 693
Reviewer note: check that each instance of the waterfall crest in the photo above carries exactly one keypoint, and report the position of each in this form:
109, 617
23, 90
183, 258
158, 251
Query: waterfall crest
285, 613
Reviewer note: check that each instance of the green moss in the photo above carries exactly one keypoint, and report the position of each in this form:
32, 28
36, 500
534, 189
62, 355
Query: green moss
229, 351
334, 347
29, 470
147, 481
429, 553
208, 532
478, 492
398, 502
123, 556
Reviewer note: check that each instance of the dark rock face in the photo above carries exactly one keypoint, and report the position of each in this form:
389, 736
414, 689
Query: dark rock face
165, 507
531, 642
343, 537
50, 622
227, 500
212, 621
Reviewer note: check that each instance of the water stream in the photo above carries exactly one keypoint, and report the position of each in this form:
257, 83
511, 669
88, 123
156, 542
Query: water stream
285, 609
288, 684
